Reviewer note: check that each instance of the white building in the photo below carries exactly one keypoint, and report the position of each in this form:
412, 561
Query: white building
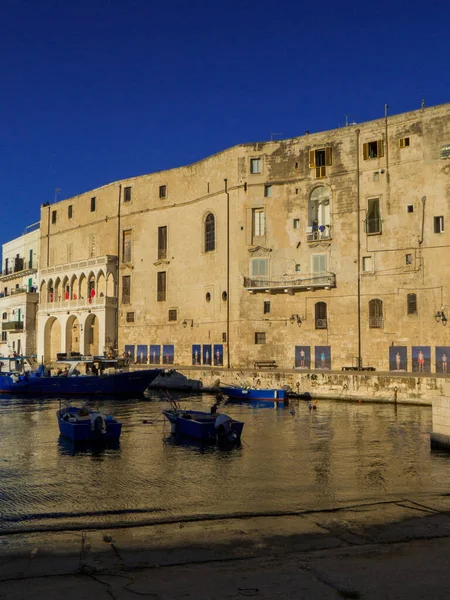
18, 293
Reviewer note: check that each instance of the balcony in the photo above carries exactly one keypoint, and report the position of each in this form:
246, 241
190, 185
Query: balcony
12, 326
289, 286
80, 303
318, 232
80, 265
21, 268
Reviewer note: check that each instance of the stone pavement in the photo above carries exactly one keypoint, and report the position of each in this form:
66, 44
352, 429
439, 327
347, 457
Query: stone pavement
388, 549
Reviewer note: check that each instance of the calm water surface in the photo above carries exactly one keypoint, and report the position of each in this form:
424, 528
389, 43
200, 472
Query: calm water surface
340, 453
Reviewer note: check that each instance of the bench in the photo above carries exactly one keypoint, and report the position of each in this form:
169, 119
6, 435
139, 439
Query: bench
269, 364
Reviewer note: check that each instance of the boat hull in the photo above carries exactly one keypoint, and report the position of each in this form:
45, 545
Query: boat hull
265, 397
129, 383
199, 425
85, 431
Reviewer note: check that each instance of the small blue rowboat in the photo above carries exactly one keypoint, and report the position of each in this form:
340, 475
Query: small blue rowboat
85, 425
268, 397
207, 427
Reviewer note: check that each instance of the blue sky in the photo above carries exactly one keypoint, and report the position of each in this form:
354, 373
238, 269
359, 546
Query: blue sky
99, 90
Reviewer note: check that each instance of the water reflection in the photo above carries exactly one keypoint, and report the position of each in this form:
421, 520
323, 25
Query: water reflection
96, 449
342, 452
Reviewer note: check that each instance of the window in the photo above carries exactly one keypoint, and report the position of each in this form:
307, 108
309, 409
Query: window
126, 246
69, 211
266, 307
126, 289
321, 315
4, 336
92, 204
162, 242
91, 245
319, 214
411, 302
409, 259
260, 337
438, 224
208, 297
319, 264
161, 286
224, 337
130, 317
373, 149
297, 268
162, 191
53, 217
224, 296
410, 208
127, 194
258, 222
296, 223
173, 314
319, 160
268, 191
376, 314
403, 142
210, 233
255, 166
367, 264
4, 316
373, 220
259, 267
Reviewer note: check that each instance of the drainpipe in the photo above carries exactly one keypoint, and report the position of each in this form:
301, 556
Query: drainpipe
386, 135
424, 199
228, 272
118, 271
358, 230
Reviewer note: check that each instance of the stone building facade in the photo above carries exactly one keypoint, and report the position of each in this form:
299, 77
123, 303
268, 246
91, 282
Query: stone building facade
322, 251
18, 293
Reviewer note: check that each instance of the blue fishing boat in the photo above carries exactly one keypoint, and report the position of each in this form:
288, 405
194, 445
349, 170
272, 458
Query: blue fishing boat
81, 377
261, 397
86, 425
207, 427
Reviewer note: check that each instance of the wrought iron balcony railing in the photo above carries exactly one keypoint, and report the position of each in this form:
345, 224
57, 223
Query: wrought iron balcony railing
318, 232
316, 281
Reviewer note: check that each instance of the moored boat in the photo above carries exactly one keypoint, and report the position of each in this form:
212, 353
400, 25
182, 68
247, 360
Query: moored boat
81, 377
86, 425
264, 397
207, 427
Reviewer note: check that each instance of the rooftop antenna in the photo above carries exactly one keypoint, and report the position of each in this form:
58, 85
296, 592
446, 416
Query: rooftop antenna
272, 133
423, 102
57, 190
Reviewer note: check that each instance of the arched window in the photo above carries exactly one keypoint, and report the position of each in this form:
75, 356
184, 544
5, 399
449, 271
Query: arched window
411, 302
5, 316
210, 233
376, 314
321, 315
319, 225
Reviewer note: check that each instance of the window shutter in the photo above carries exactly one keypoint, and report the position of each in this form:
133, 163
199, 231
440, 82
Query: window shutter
328, 152
400, 142
312, 159
365, 151
380, 148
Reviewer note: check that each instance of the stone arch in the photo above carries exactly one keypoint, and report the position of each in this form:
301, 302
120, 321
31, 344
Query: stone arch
82, 287
101, 283
73, 334
50, 291
110, 286
57, 290
91, 286
65, 289
91, 335
43, 291
74, 291
52, 339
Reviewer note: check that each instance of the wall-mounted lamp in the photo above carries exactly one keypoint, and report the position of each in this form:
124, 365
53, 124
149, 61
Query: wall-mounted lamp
187, 322
295, 319
440, 317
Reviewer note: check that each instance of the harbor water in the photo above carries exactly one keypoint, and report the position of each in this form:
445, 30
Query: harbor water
340, 454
